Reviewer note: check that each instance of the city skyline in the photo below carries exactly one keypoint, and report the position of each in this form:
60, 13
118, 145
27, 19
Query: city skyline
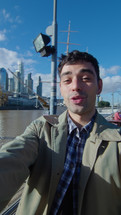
97, 30
17, 83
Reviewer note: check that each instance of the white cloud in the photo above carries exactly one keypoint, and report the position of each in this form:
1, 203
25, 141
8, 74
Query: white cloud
7, 17
17, 48
102, 72
28, 61
9, 59
46, 84
29, 54
17, 19
5, 14
111, 84
114, 70
16, 7
2, 35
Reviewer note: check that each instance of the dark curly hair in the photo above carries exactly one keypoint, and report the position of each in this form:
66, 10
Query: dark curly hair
77, 56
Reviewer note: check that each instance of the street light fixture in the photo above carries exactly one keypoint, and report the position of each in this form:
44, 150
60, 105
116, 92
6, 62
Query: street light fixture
40, 44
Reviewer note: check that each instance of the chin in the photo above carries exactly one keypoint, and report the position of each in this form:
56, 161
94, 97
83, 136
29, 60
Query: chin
77, 111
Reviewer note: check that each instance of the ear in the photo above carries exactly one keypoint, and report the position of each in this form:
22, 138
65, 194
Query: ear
100, 86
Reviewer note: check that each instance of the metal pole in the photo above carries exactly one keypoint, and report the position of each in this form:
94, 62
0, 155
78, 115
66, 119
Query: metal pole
112, 102
53, 104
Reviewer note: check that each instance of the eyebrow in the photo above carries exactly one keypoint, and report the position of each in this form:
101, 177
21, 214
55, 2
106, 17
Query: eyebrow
66, 73
81, 71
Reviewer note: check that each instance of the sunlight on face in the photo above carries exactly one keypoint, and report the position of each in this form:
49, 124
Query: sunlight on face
79, 87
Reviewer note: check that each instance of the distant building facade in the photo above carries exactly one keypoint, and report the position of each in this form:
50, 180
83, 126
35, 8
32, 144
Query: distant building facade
39, 87
11, 84
29, 84
21, 70
17, 87
3, 79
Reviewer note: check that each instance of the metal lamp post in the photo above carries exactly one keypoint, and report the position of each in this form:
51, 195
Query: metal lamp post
40, 44
53, 104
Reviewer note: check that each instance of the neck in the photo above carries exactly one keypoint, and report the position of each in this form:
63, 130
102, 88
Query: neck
81, 120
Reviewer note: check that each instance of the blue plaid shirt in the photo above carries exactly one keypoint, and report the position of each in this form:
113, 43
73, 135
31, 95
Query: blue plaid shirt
75, 146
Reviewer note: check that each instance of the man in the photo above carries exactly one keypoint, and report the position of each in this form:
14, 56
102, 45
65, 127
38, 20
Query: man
72, 161
117, 115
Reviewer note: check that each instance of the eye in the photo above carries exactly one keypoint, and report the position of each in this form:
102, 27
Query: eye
66, 81
85, 79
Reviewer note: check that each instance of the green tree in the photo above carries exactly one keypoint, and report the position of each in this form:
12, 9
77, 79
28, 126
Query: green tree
103, 104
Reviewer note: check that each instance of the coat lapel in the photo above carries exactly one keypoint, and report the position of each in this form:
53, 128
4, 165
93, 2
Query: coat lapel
102, 131
58, 141
88, 161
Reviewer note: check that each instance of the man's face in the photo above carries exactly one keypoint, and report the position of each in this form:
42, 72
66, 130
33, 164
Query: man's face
79, 87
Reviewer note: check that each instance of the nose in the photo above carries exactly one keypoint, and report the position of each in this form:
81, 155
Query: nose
76, 84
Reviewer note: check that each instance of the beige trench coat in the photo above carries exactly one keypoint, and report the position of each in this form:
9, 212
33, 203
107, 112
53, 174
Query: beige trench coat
38, 155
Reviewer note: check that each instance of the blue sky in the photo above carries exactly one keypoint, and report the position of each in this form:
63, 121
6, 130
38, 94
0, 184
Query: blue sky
98, 26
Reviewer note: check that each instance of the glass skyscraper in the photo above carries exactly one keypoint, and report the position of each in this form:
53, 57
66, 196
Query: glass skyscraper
3, 79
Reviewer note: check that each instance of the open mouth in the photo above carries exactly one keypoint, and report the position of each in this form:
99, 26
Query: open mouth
77, 99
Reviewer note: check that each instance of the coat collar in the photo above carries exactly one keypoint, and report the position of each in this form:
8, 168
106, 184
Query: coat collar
56, 120
104, 130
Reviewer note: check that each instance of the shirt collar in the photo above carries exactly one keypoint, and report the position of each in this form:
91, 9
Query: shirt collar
72, 126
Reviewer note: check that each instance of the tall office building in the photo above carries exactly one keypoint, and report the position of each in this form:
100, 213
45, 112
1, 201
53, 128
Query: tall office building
39, 87
29, 84
17, 85
11, 84
3, 79
21, 70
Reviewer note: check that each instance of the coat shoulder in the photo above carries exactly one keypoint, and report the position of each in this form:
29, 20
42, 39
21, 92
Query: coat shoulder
52, 119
